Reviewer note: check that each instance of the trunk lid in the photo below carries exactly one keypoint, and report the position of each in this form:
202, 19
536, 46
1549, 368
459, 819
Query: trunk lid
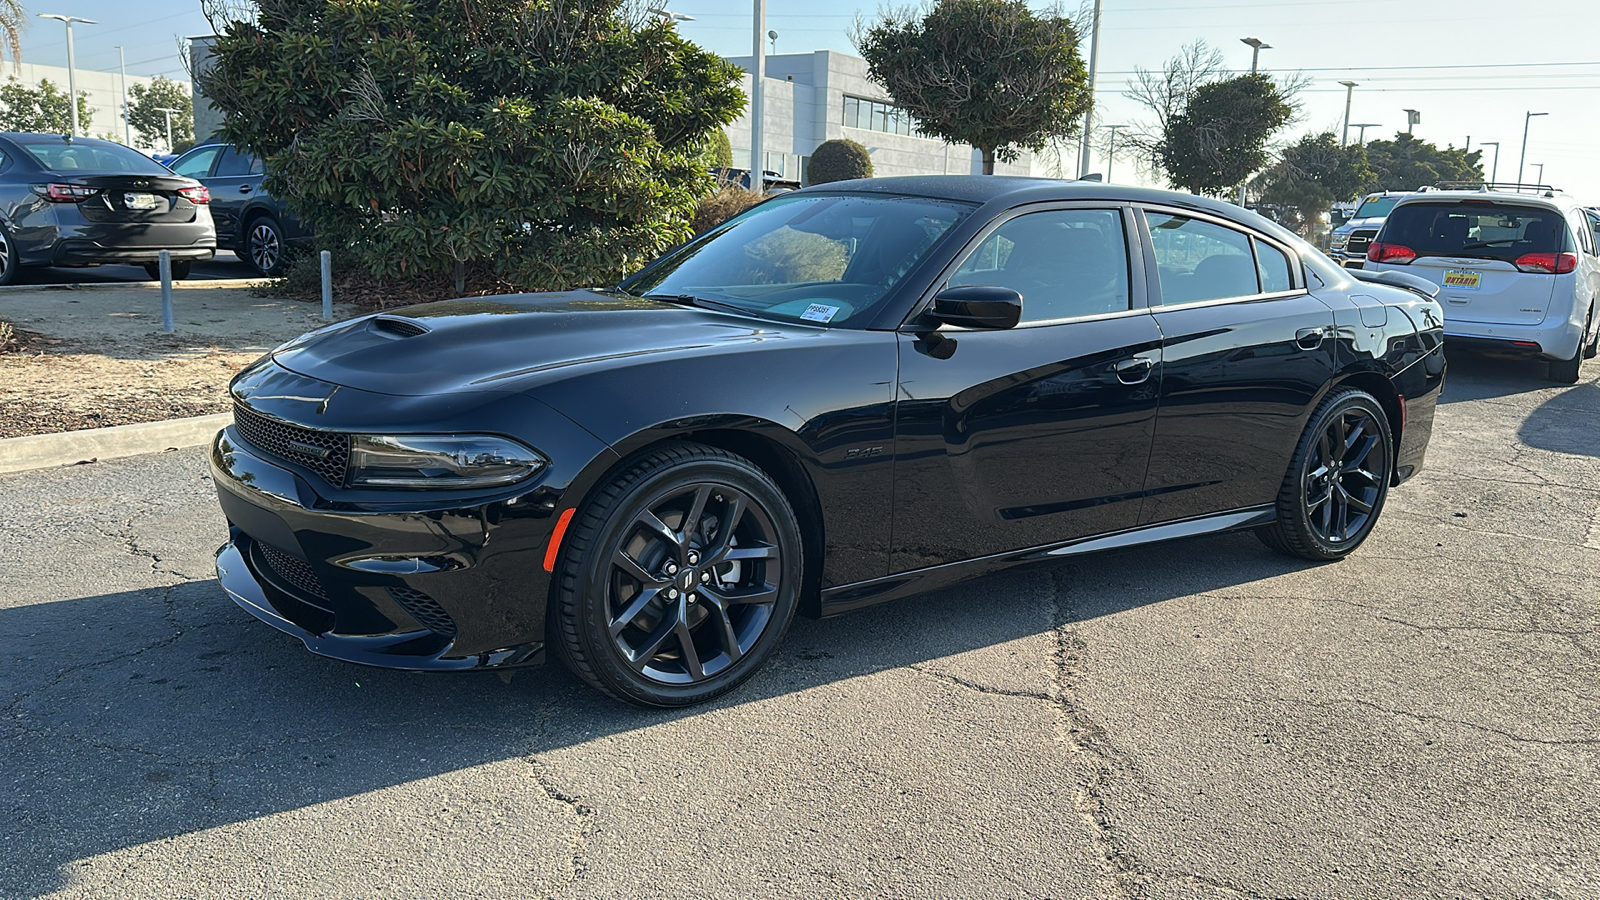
1487, 291
129, 197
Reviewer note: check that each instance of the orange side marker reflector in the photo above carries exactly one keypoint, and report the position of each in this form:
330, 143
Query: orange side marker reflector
555, 539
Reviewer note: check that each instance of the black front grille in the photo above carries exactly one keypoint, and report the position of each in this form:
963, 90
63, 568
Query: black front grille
297, 572
425, 610
326, 453
1359, 240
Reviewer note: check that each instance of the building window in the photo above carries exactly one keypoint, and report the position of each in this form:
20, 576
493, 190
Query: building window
875, 115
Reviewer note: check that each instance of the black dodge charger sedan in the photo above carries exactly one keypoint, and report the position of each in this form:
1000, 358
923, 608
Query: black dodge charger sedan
67, 201
847, 394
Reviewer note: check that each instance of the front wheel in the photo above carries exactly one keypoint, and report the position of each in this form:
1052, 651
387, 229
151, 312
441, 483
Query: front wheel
10, 270
678, 579
180, 269
1337, 481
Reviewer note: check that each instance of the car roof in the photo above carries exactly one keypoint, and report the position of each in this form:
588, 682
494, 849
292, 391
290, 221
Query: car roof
1016, 190
1551, 200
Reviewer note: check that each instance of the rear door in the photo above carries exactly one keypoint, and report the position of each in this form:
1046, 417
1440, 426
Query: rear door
1245, 352
1036, 434
1471, 249
234, 183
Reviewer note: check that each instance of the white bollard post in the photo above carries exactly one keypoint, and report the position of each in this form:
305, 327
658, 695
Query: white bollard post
165, 257
327, 286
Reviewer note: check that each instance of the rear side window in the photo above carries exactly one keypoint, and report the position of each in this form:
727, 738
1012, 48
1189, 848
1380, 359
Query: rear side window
236, 164
1476, 229
1201, 261
91, 156
196, 164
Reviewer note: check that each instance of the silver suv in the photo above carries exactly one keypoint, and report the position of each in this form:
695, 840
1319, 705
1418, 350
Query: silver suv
1351, 239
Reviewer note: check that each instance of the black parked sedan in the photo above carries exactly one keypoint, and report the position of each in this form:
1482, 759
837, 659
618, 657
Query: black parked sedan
848, 394
68, 201
251, 222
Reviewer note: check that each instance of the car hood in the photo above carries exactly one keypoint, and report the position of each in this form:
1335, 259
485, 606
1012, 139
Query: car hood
514, 342
1369, 222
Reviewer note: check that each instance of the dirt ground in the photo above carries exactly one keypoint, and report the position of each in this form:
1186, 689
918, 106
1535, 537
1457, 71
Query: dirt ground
87, 357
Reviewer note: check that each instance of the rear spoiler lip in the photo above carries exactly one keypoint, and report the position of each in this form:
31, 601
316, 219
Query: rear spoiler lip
1402, 280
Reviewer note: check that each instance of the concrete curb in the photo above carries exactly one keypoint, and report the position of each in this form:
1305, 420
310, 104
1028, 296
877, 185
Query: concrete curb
187, 284
64, 448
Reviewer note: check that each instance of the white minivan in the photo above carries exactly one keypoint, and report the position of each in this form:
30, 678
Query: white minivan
1517, 270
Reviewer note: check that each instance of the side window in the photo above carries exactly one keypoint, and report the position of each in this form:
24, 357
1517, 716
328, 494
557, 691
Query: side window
235, 164
196, 164
1589, 232
1201, 261
1272, 266
1065, 263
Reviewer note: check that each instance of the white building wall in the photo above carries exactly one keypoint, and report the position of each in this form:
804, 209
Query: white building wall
803, 96
105, 96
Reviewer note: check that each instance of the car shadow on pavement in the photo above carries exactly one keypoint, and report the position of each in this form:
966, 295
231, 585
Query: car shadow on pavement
1485, 375
140, 716
1569, 422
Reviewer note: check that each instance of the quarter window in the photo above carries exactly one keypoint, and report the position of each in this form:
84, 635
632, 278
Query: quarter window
1201, 261
1065, 263
1272, 265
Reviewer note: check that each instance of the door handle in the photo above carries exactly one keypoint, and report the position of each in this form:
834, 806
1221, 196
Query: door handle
244, 188
1134, 371
1309, 338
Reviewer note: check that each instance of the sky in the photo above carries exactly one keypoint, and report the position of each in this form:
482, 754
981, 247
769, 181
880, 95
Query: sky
1473, 68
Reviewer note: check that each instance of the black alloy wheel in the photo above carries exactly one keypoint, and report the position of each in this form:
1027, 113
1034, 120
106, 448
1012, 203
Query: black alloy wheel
679, 578
180, 269
263, 246
1337, 481
10, 271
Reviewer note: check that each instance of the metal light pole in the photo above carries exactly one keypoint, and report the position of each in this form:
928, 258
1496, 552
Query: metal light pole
1361, 136
1539, 178
1111, 149
127, 126
758, 175
1256, 46
1496, 146
1412, 118
1349, 92
1088, 116
168, 111
1526, 121
72, 76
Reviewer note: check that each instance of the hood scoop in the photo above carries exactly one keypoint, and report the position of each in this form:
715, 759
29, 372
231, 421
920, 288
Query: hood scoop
399, 326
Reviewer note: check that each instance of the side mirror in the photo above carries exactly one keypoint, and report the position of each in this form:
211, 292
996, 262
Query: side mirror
977, 306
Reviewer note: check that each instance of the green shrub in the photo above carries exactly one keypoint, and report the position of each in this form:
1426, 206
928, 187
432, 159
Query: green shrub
839, 160
720, 152
725, 203
557, 143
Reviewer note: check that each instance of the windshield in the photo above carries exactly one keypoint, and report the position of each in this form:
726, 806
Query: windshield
90, 156
1476, 229
815, 258
1376, 207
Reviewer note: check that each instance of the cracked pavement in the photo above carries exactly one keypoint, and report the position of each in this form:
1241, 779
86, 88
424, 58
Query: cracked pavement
1194, 720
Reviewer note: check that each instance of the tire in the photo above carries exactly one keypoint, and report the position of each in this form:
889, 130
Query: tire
1591, 349
1565, 371
1319, 515
180, 269
263, 246
10, 269
632, 611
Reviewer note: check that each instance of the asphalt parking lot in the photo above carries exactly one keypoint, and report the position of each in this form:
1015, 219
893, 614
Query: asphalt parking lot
223, 265
1201, 719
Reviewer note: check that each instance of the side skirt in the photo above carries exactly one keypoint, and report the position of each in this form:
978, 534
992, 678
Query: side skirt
845, 598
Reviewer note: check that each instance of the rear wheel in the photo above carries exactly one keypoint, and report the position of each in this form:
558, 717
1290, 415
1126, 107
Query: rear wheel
180, 269
1337, 481
9, 269
263, 246
1591, 349
678, 579
1565, 371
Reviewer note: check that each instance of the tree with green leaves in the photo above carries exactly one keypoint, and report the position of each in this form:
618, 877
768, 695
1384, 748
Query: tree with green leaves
41, 109
1220, 137
990, 73
554, 142
1309, 177
1406, 163
145, 105
838, 160
719, 152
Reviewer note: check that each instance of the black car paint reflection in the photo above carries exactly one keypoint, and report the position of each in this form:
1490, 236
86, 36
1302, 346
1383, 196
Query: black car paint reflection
913, 455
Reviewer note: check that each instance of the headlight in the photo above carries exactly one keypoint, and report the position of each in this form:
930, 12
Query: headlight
1340, 241
444, 462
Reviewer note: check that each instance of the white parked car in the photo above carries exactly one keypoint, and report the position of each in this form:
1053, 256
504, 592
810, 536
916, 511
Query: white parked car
1518, 270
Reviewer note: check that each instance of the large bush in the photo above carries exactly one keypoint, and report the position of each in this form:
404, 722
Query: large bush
838, 160
558, 141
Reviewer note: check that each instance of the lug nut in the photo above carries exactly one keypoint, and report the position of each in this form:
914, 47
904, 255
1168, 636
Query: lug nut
705, 577
672, 593
694, 558
693, 598
672, 568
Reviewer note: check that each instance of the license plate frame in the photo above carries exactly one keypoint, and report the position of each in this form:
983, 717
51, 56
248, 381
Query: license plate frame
1461, 280
143, 201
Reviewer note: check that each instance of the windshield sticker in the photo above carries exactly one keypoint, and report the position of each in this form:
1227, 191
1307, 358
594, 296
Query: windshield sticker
818, 312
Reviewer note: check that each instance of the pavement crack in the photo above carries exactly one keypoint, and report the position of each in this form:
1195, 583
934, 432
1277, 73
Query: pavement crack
958, 681
584, 813
1442, 720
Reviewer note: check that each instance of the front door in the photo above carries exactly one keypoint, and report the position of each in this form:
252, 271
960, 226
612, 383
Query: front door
1037, 434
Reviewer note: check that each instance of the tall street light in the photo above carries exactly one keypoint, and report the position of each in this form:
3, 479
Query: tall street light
1539, 178
1088, 116
1412, 118
1496, 170
1349, 92
168, 111
72, 78
1256, 46
1526, 121
127, 126
1361, 136
758, 71
1111, 149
